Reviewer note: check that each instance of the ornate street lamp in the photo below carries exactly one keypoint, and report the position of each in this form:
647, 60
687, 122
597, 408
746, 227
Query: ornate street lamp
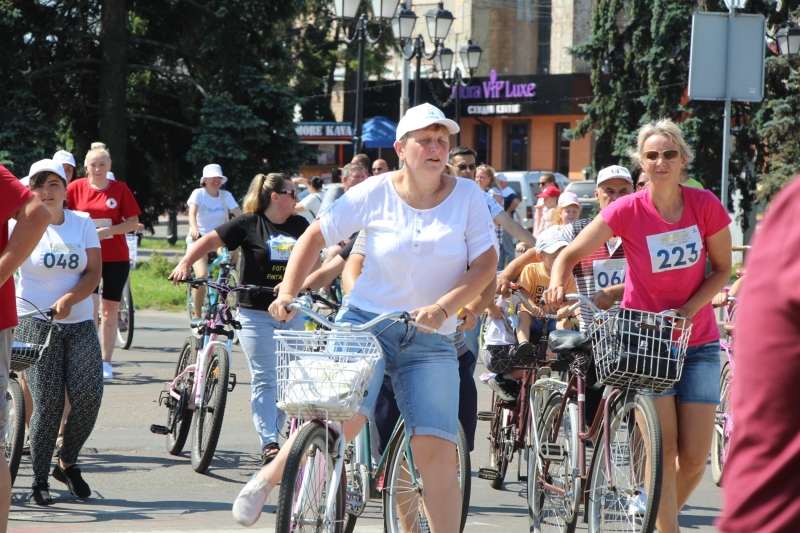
443, 61
788, 41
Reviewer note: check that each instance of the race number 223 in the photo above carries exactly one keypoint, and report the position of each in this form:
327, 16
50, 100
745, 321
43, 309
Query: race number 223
675, 249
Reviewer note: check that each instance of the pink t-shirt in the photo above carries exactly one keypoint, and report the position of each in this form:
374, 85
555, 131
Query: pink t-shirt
667, 262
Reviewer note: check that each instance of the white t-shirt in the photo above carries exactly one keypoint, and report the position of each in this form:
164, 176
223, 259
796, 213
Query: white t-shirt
414, 256
494, 207
56, 265
210, 211
311, 204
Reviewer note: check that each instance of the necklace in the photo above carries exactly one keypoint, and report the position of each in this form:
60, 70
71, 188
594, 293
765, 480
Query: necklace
408, 196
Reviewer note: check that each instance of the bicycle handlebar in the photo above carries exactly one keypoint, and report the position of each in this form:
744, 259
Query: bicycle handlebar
48, 312
737, 248
303, 305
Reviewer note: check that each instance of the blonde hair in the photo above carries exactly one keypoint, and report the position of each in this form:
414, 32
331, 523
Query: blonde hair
259, 195
437, 126
489, 170
97, 148
666, 128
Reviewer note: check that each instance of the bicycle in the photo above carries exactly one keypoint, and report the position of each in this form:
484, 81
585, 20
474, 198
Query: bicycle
126, 310
723, 418
631, 351
23, 355
202, 382
322, 377
226, 274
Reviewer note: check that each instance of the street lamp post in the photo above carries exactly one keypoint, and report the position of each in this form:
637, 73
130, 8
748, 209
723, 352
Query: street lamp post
788, 41
443, 61
346, 10
438, 21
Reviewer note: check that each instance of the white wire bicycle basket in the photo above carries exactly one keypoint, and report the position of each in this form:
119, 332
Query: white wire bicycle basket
26, 354
323, 374
133, 248
639, 349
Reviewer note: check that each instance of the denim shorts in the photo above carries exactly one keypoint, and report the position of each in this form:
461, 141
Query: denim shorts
699, 381
424, 372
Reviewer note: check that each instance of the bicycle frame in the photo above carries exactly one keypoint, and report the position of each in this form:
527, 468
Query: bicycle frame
222, 260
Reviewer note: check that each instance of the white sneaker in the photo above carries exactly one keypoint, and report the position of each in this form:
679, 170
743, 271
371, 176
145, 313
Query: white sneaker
637, 506
107, 373
250, 502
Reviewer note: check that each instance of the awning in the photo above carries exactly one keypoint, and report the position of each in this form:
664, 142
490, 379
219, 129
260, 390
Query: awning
379, 133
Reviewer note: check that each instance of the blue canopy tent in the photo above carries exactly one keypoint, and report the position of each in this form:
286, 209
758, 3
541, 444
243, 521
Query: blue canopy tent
379, 133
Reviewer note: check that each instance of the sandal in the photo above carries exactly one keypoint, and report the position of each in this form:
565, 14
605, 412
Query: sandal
59, 443
269, 452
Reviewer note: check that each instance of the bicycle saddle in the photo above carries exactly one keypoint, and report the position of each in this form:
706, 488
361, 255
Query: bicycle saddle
564, 341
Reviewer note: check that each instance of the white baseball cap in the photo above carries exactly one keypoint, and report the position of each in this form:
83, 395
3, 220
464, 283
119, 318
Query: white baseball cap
110, 175
43, 166
614, 171
62, 156
213, 171
551, 240
568, 198
421, 117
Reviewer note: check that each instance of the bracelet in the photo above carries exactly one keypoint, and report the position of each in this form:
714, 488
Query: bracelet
446, 316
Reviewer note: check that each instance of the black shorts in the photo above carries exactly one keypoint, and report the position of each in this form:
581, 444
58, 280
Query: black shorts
115, 274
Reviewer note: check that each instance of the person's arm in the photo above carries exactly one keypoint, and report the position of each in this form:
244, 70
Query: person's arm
194, 233
498, 198
516, 229
236, 211
32, 221
470, 312
323, 277
604, 298
736, 287
718, 247
299, 208
126, 226
587, 241
303, 257
209, 241
513, 270
513, 205
352, 269
90, 278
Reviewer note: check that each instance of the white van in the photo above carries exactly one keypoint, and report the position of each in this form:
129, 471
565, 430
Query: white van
526, 187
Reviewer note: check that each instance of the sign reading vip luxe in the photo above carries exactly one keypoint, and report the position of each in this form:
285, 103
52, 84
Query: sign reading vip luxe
495, 89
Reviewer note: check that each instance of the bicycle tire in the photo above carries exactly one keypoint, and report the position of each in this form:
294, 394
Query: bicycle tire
499, 442
721, 441
394, 486
549, 511
179, 408
205, 309
125, 315
207, 421
609, 510
233, 302
15, 427
309, 456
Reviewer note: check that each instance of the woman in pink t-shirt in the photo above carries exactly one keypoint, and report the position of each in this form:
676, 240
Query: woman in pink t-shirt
669, 276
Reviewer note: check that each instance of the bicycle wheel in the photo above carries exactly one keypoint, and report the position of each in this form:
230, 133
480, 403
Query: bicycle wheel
179, 416
628, 501
500, 442
358, 464
207, 421
15, 427
554, 462
125, 329
403, 511
307, 479
233, 302
204, 310
722, 426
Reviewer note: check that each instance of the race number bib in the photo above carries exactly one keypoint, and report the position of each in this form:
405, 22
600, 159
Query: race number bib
609, 272
280, 247
675, 249
61, 256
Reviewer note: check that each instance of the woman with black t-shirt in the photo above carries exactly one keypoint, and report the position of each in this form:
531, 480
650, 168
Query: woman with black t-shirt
267, 233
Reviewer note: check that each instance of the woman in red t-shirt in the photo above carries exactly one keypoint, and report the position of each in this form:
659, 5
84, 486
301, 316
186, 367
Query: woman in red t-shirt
115, 212
668, 230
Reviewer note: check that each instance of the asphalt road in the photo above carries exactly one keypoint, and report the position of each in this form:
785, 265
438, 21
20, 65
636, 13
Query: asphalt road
137, 486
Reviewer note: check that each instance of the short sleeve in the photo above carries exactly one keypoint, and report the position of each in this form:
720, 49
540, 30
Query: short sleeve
494, 207
347, 249
234, 232
347, 215
527, 279
230, 201
617, 215
360, 246
193, 197
129, 207
480, 234
14, 194
716, 217
90, 238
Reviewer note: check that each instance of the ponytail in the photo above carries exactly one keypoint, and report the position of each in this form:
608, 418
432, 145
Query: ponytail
259, 195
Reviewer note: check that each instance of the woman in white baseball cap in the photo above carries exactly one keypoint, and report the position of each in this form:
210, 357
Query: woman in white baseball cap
209, 207
431, 248
68, 162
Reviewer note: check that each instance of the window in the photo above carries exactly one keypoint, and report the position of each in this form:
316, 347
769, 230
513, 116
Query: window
517, 147
562, 149
544, 13
483, 143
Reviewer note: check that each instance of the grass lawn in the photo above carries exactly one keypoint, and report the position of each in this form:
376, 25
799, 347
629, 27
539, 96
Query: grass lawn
151, 288
150, 243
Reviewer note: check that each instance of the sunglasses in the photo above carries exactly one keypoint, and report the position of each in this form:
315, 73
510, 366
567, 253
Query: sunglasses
668, 155
292, 192
377, 169
462, 167
544, 183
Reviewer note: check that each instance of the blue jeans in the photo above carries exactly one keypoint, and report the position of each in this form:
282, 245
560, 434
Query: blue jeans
259, 348
424, 372
699, 381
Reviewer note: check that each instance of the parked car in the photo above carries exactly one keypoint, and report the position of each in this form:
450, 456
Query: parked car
526, 187
584, 190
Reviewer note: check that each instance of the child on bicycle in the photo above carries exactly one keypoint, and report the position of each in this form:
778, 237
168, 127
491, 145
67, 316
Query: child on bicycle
534, 280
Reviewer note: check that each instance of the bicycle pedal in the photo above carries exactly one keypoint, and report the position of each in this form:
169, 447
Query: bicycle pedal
523, 478
486, 416
159, 430
488, 473
231, 382
551, 452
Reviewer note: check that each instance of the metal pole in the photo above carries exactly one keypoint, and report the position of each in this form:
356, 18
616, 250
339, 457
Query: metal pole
457, 85
361, 26
418, 54
726, 126
404, 89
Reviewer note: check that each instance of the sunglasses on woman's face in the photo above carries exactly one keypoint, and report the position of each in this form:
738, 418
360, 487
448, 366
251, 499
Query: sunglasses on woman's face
668, 155
292, 192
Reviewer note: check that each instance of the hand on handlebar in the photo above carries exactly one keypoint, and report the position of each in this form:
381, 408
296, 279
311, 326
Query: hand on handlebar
181, 272
502, 285
720, 300
278, 308
431, 316
554, 296
469, 318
